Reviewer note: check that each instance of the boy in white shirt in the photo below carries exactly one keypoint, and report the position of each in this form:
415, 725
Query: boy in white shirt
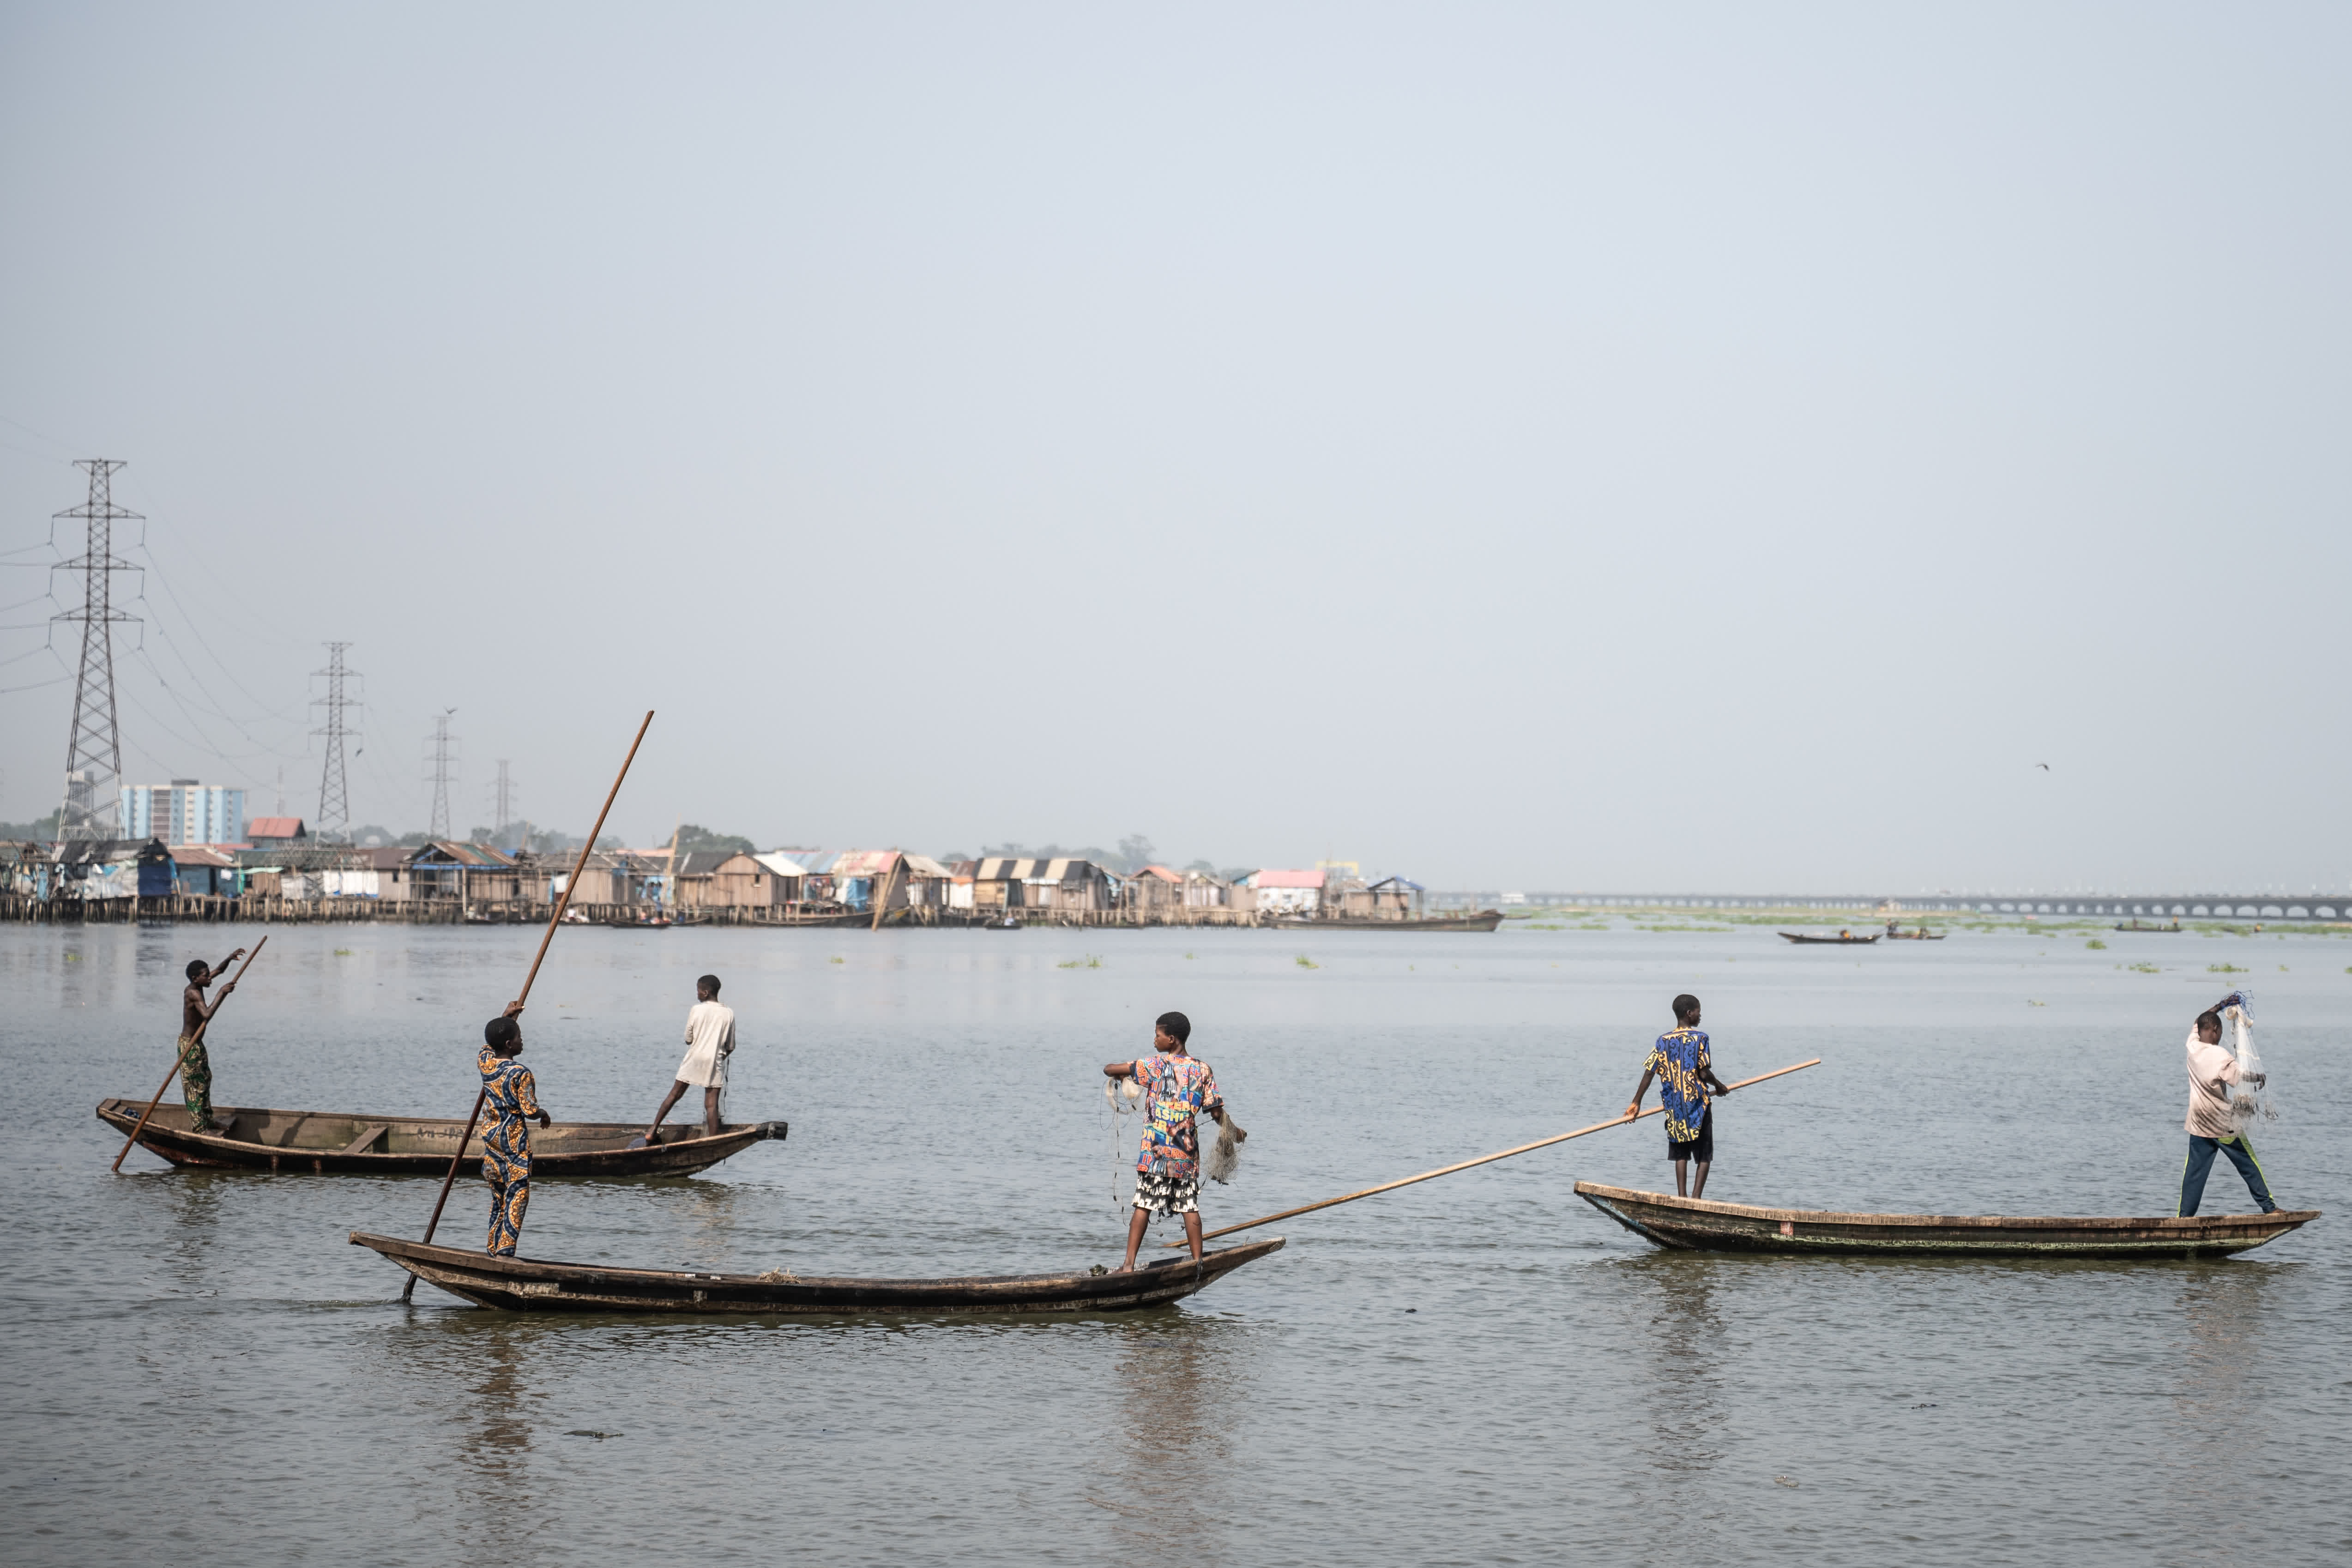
710, 1042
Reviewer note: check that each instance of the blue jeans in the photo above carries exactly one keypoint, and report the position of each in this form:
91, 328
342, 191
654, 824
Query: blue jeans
2200, 1161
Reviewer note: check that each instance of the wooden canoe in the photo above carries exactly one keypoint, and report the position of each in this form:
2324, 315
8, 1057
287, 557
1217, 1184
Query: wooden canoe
528, 1284
1828, 940
1691, 1223
1485, 919
344, 1144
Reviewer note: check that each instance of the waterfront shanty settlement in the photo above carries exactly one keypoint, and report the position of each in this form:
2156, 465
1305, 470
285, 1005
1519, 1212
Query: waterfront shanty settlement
278, 872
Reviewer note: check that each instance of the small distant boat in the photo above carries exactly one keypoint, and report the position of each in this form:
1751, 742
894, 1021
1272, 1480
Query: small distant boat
1485, 919
352, 1144
1693, 1223
1896, 933
1004, 922
2136, 925
1842, 939
527, 1284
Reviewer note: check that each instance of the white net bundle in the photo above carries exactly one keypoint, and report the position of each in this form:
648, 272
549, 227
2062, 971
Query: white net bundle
2250, 1102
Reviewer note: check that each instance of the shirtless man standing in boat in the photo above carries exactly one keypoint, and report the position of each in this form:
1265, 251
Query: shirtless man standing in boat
195, 1066
1176, 1088
1680, 1063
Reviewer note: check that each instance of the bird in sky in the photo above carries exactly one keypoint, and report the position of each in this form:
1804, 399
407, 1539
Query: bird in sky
2043, 766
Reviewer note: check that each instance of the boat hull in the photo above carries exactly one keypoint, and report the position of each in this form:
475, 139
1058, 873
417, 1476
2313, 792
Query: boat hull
320, 1143
1692, 1224
1485, 920
531, 1285
1803, 941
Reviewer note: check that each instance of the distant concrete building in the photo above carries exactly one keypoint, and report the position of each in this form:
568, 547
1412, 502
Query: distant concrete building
1282, 891
184, 812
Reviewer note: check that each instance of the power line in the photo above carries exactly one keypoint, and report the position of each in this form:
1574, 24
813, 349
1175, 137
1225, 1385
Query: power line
505, 789
334, 792
442, 761
94, 743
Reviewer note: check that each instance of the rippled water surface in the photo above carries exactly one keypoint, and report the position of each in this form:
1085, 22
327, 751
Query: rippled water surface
1480, 1368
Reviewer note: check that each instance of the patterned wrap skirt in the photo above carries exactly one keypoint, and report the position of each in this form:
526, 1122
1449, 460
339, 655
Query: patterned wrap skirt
1170, 1196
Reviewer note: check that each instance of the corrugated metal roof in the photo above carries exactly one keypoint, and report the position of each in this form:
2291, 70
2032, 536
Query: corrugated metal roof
1162, 872
781, 866
202, 855
1285, 879
473, 857
863, 862
273, 827
999, 868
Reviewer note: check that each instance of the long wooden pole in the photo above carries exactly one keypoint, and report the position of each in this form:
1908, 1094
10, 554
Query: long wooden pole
562, 902
202, 1025
1481, 1160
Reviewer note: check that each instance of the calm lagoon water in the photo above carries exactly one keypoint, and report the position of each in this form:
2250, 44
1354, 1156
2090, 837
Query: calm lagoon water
1477, 1369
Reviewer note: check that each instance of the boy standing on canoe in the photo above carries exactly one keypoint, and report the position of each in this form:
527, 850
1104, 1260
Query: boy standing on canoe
1176, 1088
508, 1097
195, 1066
709, 1043
2212, 1129
1684, 1072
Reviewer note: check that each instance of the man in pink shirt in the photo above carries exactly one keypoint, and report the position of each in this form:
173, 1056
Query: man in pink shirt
2213, 1068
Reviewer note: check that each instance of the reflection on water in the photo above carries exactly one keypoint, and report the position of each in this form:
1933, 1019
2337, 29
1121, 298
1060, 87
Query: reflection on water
705, 1217
195, 1228
2216, 1430
1178, 1395
476, 1367
1683, 1343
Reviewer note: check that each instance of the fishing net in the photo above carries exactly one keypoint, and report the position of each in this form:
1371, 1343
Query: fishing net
1225, 1156
2250, 1102
1125, 1098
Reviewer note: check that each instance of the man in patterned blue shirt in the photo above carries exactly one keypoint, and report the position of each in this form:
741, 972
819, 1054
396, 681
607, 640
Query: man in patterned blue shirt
1680, 1063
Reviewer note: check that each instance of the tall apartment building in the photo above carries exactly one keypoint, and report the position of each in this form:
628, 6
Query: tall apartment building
184, 811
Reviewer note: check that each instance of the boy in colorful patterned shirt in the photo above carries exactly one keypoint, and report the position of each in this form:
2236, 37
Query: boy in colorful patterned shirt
1176, 1088
1684, 1072
508, 1097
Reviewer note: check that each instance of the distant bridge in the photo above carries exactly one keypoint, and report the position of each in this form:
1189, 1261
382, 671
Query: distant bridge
2121, 906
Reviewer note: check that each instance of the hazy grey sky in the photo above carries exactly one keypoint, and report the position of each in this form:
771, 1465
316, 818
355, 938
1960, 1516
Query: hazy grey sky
1695, 447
